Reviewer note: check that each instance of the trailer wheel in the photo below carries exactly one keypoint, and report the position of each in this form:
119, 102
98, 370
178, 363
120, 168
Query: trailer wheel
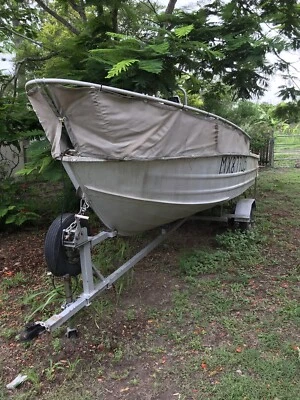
61, 261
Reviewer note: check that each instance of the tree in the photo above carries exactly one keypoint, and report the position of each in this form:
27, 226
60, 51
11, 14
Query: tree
288, 111
218, 47
228, 42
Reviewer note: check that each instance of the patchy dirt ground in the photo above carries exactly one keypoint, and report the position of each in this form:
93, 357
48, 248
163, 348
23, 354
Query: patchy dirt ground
162, 334
21, 251
148, 286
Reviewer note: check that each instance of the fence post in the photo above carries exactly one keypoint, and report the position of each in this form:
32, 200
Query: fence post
271, 147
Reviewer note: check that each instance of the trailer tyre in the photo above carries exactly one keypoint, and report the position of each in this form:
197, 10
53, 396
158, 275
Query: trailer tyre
61, 261
247, 226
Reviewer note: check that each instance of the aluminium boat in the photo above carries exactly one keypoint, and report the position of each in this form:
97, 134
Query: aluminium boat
141, 161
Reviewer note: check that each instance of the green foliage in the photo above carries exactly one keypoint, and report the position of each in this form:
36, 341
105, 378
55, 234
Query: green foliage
18, 126
163, 52
111, 254
40, 301
224, 41
256, 119
18, 279
183, 30
235, 249
201, 262
120, 67
243, 246
41, 163
288, 112
19, 205
137, 72
14, 209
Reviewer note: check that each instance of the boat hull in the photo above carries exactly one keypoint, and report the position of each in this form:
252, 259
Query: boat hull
136, 196
141, 161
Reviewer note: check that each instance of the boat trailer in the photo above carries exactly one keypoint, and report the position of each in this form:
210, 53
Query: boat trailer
68, 252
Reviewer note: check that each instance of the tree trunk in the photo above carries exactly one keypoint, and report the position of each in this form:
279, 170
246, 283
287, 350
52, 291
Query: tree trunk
170, 7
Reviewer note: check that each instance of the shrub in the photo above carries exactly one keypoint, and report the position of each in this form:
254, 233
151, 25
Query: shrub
13, 209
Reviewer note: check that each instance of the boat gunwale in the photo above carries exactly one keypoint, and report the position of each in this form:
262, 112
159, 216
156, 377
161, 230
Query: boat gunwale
78, 158
111, 89
201, 176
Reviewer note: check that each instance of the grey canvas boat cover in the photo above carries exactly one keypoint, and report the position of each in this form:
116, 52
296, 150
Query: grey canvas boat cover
110, 125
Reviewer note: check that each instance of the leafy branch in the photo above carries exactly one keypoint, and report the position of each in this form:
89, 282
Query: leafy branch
58, 17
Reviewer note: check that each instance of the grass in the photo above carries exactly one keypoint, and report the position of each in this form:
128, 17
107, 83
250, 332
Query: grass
16, 280
110, 254
241, 249
219, 320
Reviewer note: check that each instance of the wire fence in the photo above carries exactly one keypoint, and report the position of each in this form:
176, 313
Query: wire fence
281, 151
287, 150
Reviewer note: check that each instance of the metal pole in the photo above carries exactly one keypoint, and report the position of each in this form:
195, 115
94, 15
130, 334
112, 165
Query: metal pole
68, 289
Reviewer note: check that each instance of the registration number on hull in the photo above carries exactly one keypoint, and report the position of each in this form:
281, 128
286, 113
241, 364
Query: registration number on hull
232, 164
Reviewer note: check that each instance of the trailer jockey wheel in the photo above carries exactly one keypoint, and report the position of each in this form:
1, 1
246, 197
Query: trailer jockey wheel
61, 260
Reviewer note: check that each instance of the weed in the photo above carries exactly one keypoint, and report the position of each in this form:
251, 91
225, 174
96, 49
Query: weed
118, 355
52, 369
195, 343
111, 253
200, 262
230, 324
56, 343
71, 367
236, 249
219, 302
271, 340
119, 287
291, 310
59, 332
102, 307
33, 377
8, 333
197, 314
18, 279
152, 313
44, 297
251, 372
177, 337
122, 283
162, 330
131, 314
3, 298
156, 350
180, 299
134, 382
119, 376
243, 247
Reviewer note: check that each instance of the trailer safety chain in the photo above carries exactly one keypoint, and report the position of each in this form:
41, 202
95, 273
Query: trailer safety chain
84, 205
71, 233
